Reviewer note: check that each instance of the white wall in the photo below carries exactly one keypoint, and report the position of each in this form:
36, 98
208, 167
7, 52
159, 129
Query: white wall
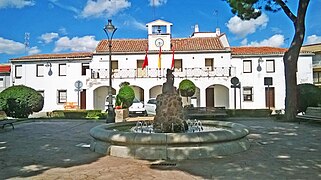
256, 80
50, 84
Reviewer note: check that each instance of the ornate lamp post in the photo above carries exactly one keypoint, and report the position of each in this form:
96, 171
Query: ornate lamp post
110, 30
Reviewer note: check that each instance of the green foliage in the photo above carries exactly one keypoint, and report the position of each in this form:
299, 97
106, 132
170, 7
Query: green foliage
187, 88
126, 96
118, 101
125, 83
20, 101
245, 9
251, 9
78, 114
94, 114
308, 96
57, 114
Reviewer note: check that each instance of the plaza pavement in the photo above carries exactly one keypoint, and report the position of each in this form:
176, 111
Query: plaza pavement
58, 149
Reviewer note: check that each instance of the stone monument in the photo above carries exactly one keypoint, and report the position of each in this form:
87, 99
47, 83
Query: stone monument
169, 115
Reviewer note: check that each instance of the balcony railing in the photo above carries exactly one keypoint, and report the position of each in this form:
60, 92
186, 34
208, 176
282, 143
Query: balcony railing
161, 73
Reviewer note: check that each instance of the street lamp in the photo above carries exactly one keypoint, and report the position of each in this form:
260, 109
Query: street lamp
110, 30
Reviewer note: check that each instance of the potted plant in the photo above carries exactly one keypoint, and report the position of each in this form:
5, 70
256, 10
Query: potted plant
187, 89
124, 100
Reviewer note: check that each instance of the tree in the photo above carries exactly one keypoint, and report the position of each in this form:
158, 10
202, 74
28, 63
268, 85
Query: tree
247, 9
125, 96
309, 95
20, 101
187, 88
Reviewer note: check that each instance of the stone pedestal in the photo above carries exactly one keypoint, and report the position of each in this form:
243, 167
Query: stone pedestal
121, 115
169, 115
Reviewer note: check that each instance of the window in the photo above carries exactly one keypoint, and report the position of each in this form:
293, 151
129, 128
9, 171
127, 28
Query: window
62, 70
317, 77
178, 65
247, 66
209, 63
62, 96
270, 66
18, 71
84, 67
248, 93
1, 82
40, 70
140, 63
114, 66
141, 72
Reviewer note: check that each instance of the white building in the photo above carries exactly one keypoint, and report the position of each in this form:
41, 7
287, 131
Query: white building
204, 58
4, 76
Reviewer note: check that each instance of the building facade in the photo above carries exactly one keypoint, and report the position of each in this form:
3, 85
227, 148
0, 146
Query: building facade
5, 70
204, 58
316, 61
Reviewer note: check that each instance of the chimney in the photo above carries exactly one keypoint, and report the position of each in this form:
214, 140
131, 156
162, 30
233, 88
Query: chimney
218, 31
196, 28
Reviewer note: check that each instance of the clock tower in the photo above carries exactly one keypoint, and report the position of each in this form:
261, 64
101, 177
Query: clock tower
159, 35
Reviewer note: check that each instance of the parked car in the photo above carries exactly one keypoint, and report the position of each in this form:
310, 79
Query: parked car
137, 108
151, 106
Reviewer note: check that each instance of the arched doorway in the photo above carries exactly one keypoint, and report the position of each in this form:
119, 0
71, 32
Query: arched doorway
154, 91
100, 95
139, 93
217, 96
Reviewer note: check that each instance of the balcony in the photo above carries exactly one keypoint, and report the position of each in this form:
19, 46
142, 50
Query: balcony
161, 73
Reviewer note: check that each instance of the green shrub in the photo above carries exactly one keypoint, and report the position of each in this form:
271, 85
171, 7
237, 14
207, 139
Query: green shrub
187, 88
94, 114
308, 96
57, 114
249, 112
70, 114
75, 114
78, 114
20, 101
126, 96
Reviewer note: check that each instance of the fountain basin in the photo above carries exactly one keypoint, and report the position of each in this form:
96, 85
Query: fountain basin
169, 146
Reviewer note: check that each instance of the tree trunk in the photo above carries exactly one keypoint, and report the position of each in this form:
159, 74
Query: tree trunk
290, 60
290, 68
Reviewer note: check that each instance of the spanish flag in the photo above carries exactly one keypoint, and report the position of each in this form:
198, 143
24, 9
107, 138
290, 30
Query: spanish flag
160, 58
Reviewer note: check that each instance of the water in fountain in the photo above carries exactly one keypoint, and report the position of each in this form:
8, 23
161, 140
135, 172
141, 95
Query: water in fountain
193, 126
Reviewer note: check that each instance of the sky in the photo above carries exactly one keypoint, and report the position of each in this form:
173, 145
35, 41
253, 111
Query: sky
57, 26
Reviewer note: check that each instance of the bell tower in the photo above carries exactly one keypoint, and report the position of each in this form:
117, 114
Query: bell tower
159, 35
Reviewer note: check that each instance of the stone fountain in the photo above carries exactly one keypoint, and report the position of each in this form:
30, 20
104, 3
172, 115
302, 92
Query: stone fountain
169, 110
169, 139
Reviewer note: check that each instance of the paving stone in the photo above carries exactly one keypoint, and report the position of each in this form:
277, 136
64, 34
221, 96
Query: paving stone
50, 150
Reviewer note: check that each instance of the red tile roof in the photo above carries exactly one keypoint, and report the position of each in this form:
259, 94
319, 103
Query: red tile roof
123, 45
140, 45
5, 68
56, 56
257, 50
195, 44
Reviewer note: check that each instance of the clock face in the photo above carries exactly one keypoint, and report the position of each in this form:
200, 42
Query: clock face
159, 42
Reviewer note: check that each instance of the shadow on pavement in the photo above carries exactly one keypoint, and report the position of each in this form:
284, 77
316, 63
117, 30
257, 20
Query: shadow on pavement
279, 150
34, 147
